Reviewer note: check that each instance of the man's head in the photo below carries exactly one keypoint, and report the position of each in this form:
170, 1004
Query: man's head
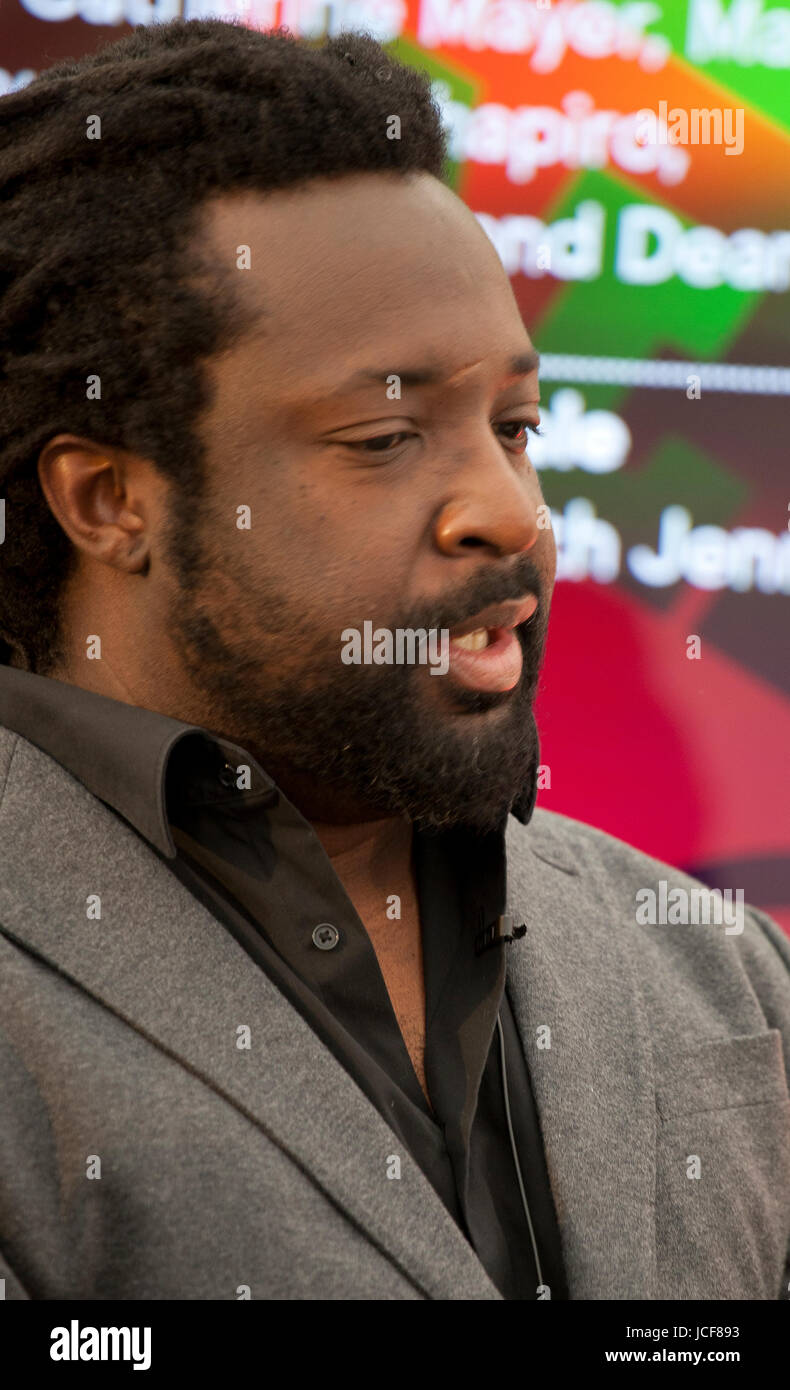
230, 503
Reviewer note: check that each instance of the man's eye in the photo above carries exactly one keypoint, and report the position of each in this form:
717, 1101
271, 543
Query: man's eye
382, 443
379, 444
518, 426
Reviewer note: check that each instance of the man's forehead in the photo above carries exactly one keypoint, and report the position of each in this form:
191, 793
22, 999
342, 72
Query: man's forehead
353, 245
333, 366
333, 388
438, 369
367, 194
334, 315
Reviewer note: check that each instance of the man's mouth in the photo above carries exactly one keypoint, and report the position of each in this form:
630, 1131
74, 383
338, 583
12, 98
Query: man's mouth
485, 653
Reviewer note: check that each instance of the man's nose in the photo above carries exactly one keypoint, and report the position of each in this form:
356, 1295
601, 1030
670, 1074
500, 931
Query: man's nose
494, 504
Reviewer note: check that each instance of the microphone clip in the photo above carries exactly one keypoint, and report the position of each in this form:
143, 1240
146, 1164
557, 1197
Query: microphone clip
498, 932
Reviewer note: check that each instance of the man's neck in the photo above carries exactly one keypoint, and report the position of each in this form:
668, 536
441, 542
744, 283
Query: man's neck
368, 855
373, 861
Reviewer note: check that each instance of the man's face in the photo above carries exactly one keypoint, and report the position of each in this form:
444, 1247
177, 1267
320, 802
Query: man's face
410, 512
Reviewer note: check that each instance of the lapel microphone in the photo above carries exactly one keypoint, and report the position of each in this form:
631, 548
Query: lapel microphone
498, 932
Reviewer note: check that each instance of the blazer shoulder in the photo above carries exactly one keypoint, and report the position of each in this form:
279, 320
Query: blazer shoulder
605, 875
603, 859
573, 845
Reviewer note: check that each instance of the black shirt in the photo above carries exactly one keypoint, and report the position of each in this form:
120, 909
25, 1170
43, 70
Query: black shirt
219, 822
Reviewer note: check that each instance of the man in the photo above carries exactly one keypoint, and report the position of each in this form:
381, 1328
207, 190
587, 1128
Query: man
301, 996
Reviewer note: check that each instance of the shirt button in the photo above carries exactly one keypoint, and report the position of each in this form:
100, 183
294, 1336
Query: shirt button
325, 936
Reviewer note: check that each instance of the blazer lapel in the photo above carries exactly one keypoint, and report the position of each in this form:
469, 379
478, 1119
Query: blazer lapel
573, 974
160, 961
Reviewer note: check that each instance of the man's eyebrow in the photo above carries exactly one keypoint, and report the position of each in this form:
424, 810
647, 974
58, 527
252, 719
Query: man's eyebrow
520, 365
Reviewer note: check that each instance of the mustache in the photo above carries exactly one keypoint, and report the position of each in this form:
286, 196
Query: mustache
491, 586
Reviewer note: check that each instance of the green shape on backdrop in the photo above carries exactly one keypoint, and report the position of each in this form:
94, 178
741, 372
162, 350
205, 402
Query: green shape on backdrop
606, 317
729, 28
677, 473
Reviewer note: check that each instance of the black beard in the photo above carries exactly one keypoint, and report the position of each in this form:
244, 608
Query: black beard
364, 732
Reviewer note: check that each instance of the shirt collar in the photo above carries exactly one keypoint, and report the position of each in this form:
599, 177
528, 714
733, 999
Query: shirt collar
126, 755
122, 753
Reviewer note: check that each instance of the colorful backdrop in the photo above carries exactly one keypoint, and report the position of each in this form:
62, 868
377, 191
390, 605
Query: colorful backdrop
631, 163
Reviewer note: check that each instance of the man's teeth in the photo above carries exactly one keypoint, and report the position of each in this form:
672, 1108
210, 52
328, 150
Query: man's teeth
473, 641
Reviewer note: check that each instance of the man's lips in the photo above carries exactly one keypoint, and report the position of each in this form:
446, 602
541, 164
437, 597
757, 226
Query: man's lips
501, 615
497, 665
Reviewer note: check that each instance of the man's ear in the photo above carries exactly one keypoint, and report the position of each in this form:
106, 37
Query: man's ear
99, 497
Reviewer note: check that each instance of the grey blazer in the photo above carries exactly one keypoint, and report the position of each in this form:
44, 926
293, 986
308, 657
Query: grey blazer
144, 1156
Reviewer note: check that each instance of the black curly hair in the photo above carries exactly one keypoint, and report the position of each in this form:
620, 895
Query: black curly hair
100, 270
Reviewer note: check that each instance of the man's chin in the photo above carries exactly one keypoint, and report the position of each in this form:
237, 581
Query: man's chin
464, 780
438, 772
481, 820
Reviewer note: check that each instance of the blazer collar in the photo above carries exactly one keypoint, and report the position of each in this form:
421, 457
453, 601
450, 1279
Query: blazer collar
573, 983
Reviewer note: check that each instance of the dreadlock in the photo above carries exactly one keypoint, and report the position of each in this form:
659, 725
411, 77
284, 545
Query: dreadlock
101, 274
